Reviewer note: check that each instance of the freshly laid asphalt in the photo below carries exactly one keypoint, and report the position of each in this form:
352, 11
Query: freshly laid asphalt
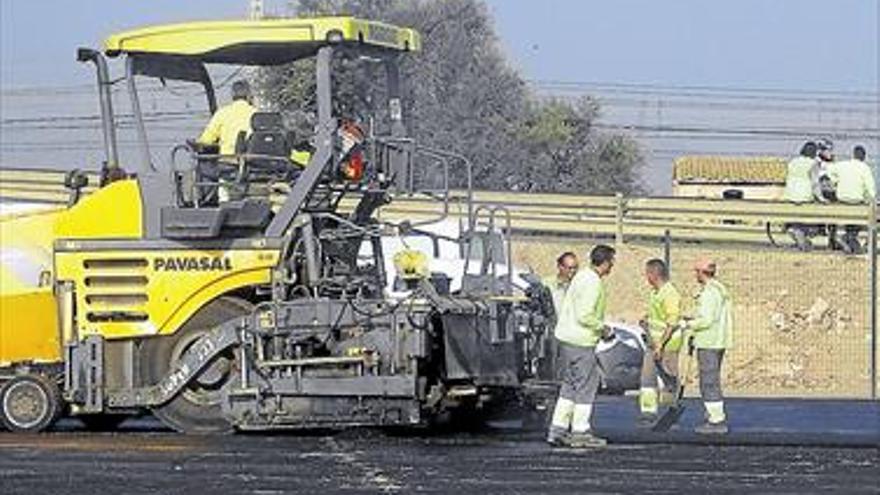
757, 422
774, 446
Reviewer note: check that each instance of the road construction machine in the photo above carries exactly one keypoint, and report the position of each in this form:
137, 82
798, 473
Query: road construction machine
181, 287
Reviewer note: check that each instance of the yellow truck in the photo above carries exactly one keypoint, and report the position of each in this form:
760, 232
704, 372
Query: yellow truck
179, 287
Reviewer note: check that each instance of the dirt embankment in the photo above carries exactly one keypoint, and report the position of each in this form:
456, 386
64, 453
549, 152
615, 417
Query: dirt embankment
801, 319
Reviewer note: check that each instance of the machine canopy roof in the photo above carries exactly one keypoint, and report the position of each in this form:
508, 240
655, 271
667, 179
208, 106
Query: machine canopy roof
260, 42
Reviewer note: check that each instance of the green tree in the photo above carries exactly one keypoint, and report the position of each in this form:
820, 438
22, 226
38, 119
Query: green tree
463, 96
567, 154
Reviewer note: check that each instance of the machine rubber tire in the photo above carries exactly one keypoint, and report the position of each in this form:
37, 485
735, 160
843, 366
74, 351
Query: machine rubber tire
29, 403
197, 408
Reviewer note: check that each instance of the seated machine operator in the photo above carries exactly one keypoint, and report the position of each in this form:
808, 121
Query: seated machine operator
229, 121
231, 124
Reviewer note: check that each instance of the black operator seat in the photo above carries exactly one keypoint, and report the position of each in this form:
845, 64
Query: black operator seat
266, 152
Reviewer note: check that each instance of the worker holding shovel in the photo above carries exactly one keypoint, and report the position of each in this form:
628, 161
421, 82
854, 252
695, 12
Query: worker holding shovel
663, 341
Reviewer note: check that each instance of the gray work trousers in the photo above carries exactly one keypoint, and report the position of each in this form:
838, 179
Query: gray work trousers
709, 361
578, 373
669, 360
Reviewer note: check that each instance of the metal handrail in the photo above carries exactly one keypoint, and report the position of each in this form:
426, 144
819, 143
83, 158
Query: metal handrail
447, 158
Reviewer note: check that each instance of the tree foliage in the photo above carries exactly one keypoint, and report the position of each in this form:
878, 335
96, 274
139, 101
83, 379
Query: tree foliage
462, 96
567, 154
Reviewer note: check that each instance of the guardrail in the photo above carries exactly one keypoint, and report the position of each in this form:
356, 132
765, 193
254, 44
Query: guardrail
39, 185
625, 218
618, 217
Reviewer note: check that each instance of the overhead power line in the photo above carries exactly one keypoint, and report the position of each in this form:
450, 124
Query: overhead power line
705, 90
863, 133
97, 118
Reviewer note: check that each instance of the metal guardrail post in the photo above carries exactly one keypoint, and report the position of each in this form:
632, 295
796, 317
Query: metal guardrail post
872, 294
619, 202
667, 250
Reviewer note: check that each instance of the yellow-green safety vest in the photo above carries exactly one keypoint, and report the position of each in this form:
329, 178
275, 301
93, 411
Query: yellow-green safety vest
582, 312
664, 311
854, 180
798, 184
226, 124
712, 326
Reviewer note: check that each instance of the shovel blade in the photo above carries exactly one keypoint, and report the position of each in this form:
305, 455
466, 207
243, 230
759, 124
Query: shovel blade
669, 418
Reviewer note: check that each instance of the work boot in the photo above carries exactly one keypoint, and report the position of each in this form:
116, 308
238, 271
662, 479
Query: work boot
558, 437
708, 428
646, 420
585, 440
858, 248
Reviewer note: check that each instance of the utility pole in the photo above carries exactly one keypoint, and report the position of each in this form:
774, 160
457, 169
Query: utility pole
254, 74
256, 9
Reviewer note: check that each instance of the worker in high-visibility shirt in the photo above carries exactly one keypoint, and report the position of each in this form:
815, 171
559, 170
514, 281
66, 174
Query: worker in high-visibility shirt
579, 327
227, 122
854, 178
557, 284
855, 185
663, 337
800, 176
712, 330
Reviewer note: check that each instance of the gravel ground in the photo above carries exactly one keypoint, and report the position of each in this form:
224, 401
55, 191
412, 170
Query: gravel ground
801, 320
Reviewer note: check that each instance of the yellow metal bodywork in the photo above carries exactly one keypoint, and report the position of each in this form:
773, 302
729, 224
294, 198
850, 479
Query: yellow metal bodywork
207, 39
113, 212
118, 292
130, 292
123, 293
29, 329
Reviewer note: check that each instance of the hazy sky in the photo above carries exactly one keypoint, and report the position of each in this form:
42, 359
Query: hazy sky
803, 44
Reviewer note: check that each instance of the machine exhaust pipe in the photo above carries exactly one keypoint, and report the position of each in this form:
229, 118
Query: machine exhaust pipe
107, 123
